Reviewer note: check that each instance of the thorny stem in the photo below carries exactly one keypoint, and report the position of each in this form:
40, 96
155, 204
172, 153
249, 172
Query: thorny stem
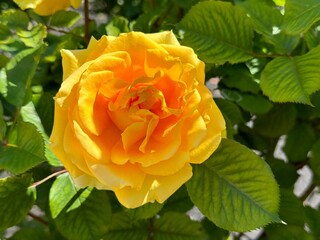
86, 21
47, 178
150, 229
37, 218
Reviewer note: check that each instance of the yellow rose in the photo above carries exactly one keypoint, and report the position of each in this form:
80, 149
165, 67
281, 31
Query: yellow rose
133, 114
47, 7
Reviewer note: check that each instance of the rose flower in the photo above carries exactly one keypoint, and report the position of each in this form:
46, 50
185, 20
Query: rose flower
47, 7
133, 114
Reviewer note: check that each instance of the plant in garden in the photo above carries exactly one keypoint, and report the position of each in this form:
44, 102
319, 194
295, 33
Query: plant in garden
128, 111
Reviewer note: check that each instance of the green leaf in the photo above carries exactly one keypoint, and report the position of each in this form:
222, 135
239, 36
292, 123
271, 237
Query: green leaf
239, 77
5, 34
291, 209
267, 20
31, 233
231, 110
249, 102
213, 231
24, 149
185, 4
14, 18
177, 226
145, 22
315, 160
278, 121
45, 110
84, 217
281, 232
62, 192
280, 2
218, 32
16, 199
299, 142
179, 201
3, 60
20, 71
312, 37
235, 188
64, 19
300, 15
33, 37
313, 221
117, 25
284, 173
146, 211
122, 228
29, 114
3, 126
292, 79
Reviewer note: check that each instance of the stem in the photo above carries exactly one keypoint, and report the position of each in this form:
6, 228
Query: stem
39, 219
47, 178
15, 119
151, 229
64, 32
86, 21
308, 191
151, 4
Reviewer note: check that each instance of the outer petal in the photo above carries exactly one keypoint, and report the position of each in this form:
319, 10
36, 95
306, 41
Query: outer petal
215, 127
154, 188
73, 59
25, 4
75, 3
166, 37
113, 176
169, 166
48, 7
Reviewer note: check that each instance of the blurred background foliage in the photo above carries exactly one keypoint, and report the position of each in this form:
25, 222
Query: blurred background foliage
266, 83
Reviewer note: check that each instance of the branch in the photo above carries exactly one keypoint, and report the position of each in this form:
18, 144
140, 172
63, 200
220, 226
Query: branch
151, 229
63, 31
308, 191
39, 219
86, 21
47, 178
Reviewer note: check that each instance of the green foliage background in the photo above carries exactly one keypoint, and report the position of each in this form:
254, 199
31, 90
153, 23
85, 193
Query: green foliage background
263, 65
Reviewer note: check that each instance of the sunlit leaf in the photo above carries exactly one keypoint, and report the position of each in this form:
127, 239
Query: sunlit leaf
218, 32
24, 149
268, 20
79, 214
64, 18
235, 189
300, 15
292, 79
20, 71
16, 199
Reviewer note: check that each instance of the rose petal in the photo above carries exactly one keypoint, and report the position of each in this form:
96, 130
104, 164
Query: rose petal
215, 124
113, 176
169, 166
153, 189
89, 88
165, 37
73, 59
